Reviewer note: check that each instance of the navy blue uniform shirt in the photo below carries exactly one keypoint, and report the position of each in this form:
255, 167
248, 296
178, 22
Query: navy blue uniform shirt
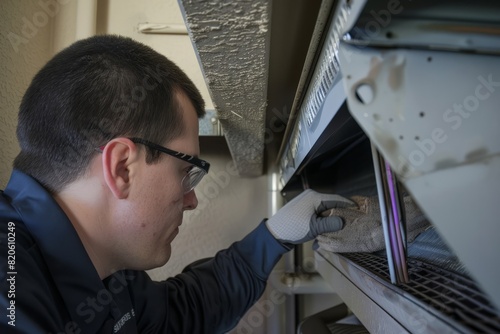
49, 284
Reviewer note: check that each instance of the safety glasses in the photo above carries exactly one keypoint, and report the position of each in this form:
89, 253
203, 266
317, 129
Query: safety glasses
199, 168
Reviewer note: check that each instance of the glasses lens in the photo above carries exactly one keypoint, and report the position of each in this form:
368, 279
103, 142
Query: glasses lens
192, 179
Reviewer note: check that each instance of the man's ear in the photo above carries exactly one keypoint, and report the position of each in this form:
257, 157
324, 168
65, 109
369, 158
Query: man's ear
118, 158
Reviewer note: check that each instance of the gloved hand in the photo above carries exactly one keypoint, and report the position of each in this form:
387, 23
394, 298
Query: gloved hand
363, 230
299, 221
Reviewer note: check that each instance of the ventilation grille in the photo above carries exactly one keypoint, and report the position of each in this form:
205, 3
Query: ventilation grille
327, 69
321, 82
456, 296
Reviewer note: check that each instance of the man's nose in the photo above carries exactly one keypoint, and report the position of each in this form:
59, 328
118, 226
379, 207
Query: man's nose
190, 200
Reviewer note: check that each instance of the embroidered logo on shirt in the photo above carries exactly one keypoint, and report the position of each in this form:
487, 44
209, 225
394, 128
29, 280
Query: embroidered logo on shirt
126, 317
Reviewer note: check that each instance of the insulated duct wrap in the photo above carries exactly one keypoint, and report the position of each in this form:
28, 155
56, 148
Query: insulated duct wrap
231, 40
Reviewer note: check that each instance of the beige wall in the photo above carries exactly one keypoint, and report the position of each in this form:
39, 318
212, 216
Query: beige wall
25, 45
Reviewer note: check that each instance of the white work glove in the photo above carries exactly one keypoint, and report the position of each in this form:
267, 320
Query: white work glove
299, 220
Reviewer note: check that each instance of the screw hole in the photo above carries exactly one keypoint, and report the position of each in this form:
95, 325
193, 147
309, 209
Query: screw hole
421, 114
390, 120
364, 93
429, 59
401, 137
417, 138
389, 34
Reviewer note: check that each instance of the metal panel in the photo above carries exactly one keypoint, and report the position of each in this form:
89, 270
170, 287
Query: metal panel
210, 125
437, 126
435, 301
349, 285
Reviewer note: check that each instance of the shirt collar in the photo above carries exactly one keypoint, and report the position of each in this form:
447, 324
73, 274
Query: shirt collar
69, 264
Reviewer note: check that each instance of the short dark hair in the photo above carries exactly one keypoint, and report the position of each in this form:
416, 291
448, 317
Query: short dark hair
97, 89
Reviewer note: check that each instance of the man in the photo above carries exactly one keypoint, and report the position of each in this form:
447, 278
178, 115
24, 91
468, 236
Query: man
108, 131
